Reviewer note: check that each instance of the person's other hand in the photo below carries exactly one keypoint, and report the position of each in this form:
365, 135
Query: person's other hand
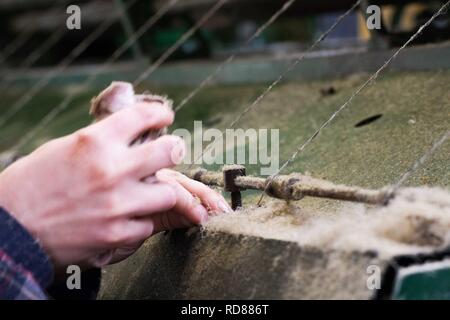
85, 195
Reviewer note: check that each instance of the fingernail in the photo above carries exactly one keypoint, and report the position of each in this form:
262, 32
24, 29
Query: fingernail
201, 212
224, 207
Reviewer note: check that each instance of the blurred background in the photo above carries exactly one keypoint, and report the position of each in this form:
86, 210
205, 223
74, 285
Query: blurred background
36, 20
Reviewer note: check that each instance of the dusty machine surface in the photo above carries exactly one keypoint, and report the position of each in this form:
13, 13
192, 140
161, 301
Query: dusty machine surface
269, 253
218, 265
317, 248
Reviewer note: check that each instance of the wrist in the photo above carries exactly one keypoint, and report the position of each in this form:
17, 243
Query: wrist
15, 204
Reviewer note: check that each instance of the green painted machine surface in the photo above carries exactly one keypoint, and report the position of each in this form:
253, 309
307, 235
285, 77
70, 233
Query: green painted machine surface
429, 281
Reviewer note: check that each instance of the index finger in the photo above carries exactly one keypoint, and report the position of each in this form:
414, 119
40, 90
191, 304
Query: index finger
128, 123
210, 198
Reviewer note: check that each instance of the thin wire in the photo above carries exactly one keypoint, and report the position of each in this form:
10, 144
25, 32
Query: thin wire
258, 32
79, 49
15, 45
32, 58
52, 114
24, 36
358, 91
179, 42
421, 161
291, 67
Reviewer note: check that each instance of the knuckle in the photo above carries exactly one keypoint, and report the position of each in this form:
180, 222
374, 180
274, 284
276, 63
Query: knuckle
105, 170
101, 177
83, 146
84, 139
112, 204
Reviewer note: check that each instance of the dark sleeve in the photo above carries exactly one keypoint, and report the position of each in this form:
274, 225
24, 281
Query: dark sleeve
25, 269
90, 286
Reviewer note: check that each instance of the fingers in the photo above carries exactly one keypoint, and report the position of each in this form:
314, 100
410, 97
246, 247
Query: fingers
211, 199
167, 221
188, 206
152, 208
129, 232
125, 125
146, 200
139, 230
143, 199
164, 152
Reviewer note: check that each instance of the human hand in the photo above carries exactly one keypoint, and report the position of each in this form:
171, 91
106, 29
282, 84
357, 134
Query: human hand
83, 196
